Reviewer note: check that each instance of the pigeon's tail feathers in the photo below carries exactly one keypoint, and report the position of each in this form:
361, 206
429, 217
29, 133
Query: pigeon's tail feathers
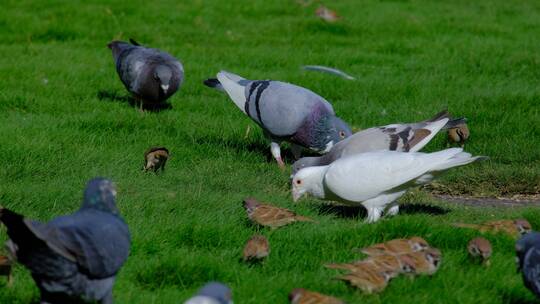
234, 85
452, 123
18, 231
455, 158
132, 41
423, 136
442, 114
463, 225
214, 84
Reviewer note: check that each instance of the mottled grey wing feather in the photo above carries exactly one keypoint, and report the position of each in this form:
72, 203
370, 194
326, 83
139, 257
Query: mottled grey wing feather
97, 241
281, 108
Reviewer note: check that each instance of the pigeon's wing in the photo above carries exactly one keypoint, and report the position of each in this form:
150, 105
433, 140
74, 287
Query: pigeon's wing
281, 108
363, 176
98, 242
531, 270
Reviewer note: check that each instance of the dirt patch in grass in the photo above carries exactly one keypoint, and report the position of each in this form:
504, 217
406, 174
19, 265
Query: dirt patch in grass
518, 200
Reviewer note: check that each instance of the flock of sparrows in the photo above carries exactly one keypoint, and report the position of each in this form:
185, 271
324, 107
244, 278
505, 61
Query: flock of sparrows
76, 257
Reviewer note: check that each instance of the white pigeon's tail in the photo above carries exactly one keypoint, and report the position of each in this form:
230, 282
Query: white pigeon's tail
455, 158
434, 128
234, 85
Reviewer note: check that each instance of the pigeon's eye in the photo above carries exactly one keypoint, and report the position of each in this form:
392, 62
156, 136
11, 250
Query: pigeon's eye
298, 182
342, 134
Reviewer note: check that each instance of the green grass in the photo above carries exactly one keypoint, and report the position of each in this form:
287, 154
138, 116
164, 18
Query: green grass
480, 59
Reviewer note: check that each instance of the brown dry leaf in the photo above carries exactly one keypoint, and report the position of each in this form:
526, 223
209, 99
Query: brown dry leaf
271, 216
303, 296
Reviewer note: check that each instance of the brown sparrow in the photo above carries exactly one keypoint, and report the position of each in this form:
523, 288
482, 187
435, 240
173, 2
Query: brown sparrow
480, 248
327, 14
256, 248
302, 296
424, 262
459, 134
514, 228
155, 158
397, 246
271, 216
368, 281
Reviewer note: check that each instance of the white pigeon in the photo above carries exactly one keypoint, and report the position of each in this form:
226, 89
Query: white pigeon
376, 180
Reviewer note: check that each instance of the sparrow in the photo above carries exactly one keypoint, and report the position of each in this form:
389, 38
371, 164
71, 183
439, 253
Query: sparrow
459, 134
326, 14
303, 296
514, 228
397, 246
424, 262
271, 216
257, 248
155, 158
480, 248
391, 263
368, 281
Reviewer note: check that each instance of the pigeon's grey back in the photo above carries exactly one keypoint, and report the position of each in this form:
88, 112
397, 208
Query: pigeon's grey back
281, 108
531, 270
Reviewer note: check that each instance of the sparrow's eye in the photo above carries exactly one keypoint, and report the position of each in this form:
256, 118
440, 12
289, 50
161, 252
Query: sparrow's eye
342, 134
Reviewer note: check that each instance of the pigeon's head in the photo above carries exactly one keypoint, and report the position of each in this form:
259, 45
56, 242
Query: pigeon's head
304, 162
163, 75
528, 241
100, 193
328, 131
217, 291
309, 181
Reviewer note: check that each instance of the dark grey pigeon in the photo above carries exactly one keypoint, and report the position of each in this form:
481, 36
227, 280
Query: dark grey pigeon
410, 137
150, 75
285, 112
528, 257
212, 293
73, 258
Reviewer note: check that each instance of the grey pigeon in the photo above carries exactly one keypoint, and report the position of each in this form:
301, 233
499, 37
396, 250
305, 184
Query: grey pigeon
528, 257
73, 258
150, 75
410, 137
285, 112
212, 293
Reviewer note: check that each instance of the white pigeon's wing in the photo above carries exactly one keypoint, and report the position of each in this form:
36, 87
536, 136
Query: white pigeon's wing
363, 176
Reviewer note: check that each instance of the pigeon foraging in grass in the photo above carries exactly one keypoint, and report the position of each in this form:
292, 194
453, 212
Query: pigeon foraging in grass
150, 75
376, 180
76, 257
410, 137
528, 259
285, 112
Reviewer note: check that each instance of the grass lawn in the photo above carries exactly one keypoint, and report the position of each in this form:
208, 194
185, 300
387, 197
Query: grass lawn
480, 59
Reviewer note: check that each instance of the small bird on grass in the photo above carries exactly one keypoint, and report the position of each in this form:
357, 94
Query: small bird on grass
397, 246
480, 248
528, 261
391, 263
155, 158
73, 257
256, 249
327, 14
375, 180
271, 216
368, 280
459, 134
6, 265
425, 262
303, 296
151, 75
212, 293
285, 112
513, 228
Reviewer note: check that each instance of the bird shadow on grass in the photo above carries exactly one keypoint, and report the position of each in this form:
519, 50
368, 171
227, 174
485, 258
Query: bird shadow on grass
516, 298
115, 97
239, 145
360, 212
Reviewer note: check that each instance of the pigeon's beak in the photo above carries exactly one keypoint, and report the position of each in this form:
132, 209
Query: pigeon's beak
296, 195
165, 87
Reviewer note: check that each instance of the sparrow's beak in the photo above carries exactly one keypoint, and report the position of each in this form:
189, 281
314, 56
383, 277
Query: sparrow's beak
165, 87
